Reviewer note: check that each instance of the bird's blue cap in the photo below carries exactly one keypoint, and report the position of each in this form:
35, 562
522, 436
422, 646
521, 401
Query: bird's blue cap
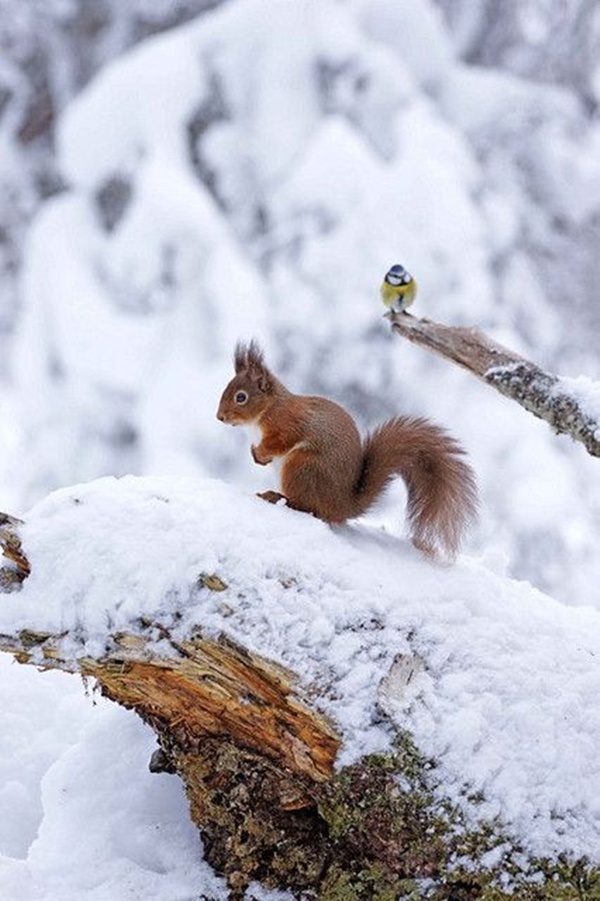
397, 269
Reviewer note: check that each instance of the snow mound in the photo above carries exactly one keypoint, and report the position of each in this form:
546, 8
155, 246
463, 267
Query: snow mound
507, 699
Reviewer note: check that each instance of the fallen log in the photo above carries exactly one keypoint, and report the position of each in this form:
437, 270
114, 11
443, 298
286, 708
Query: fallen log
232, 725
259, 760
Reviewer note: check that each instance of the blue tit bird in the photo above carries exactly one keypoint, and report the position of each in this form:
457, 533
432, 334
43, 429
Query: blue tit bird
398, 289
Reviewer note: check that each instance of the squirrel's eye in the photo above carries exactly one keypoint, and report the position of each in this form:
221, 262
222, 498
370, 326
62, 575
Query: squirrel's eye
241, 397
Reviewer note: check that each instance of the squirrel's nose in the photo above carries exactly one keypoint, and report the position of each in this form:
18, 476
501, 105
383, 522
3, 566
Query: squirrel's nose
220, 416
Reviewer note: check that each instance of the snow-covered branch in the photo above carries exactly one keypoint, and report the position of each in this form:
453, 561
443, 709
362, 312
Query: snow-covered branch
570, 406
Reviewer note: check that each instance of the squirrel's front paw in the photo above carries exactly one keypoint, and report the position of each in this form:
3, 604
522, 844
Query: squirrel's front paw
259, 458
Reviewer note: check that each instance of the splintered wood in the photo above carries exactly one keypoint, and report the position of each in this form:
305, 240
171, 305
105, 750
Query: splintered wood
217, 688
188, 689
205, 688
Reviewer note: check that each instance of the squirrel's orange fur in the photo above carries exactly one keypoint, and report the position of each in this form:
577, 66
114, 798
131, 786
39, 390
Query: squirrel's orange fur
328, 470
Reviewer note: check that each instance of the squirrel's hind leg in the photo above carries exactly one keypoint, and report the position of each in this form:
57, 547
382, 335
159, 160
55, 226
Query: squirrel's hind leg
273, 497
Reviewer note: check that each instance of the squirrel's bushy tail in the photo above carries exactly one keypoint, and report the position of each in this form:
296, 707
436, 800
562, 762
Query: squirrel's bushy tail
442, 493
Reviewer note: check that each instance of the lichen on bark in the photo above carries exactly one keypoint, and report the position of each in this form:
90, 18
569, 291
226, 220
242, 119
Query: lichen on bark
378, 830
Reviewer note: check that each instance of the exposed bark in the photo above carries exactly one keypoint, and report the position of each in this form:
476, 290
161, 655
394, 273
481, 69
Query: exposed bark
234, 726
539, 392
204, 688
10, 544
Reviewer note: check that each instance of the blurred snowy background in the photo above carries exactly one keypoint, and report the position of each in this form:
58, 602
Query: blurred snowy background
178, 174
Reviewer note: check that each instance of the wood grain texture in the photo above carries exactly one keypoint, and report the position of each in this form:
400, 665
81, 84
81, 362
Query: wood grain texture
207, 687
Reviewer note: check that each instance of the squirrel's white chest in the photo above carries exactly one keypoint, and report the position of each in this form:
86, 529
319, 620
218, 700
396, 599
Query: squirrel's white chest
254, 432
276, 465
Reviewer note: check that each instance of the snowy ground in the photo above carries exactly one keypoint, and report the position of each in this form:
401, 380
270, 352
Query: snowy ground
507, 703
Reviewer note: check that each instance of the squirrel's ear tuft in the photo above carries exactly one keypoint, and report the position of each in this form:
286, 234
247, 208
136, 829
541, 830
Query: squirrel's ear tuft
249, 359
240, 357
255, 356
247, 356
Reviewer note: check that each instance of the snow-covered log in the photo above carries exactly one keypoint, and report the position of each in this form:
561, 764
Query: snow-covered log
570, 406
349, 720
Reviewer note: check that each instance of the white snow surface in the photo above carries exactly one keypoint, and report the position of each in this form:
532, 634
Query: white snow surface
507, 702
83, 816
585, 392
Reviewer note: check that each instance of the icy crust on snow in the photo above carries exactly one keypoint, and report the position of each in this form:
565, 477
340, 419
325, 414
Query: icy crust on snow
507, 703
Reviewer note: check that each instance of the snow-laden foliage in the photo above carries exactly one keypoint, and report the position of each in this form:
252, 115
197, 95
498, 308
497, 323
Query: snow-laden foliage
255, 172
548, 41
49, 49
505, 703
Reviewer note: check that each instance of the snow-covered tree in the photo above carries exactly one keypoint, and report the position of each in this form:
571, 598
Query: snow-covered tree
49, 49
253, 171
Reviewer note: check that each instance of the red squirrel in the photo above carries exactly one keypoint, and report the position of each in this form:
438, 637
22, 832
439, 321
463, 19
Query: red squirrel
329, 471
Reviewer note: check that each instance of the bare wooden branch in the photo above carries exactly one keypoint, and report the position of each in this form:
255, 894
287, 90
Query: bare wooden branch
541, 393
